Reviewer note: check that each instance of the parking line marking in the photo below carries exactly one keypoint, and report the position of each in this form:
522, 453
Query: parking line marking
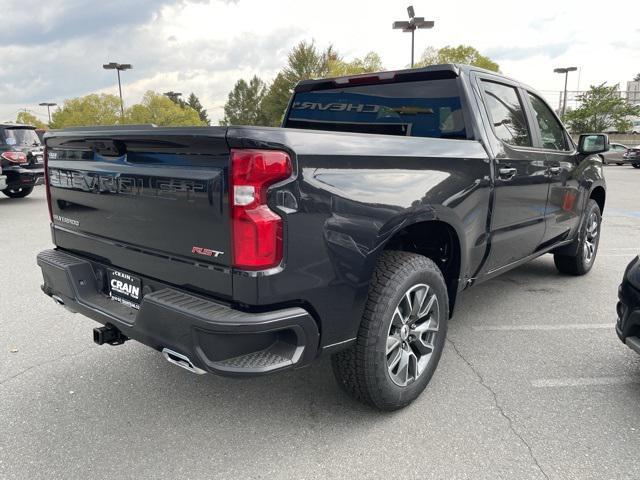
583, 381
621, 212
563, 326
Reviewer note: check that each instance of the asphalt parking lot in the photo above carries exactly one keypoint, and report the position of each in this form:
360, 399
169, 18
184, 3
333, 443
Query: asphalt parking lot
533, 384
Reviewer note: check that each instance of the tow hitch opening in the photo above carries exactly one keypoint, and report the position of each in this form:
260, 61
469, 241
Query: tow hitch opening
108, 334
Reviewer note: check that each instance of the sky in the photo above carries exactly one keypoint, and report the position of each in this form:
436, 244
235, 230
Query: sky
54, 50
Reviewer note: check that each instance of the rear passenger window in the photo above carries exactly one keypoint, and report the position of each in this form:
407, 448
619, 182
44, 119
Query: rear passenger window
552, 133
507, 114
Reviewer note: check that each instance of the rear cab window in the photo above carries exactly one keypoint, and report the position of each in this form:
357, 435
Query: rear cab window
425, 108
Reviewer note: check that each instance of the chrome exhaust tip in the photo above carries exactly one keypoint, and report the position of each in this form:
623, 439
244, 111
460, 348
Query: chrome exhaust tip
181, 361
57, 299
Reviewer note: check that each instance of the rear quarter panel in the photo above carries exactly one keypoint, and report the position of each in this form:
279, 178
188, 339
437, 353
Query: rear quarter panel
352, 193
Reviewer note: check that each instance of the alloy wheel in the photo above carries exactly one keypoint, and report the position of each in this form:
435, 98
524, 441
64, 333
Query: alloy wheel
412, 334
591, 237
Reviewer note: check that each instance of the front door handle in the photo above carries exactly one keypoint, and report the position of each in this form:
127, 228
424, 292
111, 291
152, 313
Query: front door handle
555, 170
507, 173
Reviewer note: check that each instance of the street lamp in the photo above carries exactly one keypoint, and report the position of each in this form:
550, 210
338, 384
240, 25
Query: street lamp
118, 67
410, 26
566, 77
48, 105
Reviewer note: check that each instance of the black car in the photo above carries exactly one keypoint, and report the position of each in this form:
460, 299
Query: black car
628, 308
22, 159
632, 155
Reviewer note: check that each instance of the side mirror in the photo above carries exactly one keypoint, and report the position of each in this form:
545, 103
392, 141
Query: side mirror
590, 143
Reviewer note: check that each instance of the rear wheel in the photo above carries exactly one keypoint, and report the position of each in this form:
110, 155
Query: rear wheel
17, 192
401, 336
636, 165
589, 238
620, 163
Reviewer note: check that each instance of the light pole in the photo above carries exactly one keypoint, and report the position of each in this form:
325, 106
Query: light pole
118, 67
410, 26
48, 105
566, 77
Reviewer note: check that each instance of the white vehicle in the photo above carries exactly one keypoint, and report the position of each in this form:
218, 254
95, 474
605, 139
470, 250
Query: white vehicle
635, 129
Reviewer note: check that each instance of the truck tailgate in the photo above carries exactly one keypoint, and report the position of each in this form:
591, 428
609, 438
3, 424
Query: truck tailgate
149, 200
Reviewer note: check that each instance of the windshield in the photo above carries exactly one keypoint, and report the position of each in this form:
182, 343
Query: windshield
20, 136
428, 108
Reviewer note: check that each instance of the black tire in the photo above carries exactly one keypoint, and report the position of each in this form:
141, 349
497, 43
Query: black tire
589, 239
620, 163
365, 369
17, 192
636, 165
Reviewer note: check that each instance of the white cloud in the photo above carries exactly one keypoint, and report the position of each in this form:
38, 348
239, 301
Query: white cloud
205, 47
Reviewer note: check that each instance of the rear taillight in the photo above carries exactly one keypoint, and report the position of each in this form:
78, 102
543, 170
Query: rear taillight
46, 183
256, 230
15, 157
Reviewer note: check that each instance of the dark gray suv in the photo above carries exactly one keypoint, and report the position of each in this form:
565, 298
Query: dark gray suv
21, 159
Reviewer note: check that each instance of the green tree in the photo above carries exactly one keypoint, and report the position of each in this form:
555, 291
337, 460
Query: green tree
194, 102
305, 61
637, 78
464, 54
601, 108
30, 119
371, 62
94, 109
161, 110
244, 104
175, 98
276, 100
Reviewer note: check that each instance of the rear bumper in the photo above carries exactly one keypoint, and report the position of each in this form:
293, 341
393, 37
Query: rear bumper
20, 177
628, 307
213, 336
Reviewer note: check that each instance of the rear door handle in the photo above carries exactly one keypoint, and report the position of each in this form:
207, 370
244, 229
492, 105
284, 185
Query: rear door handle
507, 173
555, 170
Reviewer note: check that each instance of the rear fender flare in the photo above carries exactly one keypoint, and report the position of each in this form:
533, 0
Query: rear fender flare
427, 213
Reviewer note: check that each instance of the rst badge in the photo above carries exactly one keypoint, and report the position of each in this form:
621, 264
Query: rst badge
207, 252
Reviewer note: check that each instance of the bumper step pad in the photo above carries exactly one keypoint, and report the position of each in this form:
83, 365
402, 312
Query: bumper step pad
215, 336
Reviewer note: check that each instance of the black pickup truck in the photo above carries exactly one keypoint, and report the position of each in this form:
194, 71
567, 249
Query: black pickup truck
348, 232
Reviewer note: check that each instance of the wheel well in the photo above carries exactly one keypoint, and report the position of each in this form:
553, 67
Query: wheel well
598, 194
439, 242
